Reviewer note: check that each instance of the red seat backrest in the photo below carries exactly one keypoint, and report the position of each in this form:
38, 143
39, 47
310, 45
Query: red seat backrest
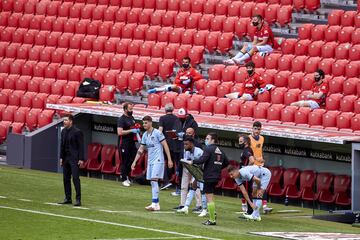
307, 179
341, 183
291, 176
324, 181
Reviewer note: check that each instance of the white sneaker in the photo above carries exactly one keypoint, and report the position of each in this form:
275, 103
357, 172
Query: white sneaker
153, 207
183, 210
126, 183
250, 217
175, 194
203, 213
267, 210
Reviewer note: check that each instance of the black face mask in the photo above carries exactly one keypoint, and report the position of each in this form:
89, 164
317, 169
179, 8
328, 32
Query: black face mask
250, 72
185, 65
129, 113
255, 24
242, 146
317, 79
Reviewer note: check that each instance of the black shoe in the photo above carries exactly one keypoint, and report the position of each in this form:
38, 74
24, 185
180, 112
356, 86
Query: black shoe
66, 201
197, 209
178, 207
208, 222
77, 204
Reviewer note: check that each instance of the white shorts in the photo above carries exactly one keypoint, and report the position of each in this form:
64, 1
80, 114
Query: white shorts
312, 103
155, 171
247, 97
262, 49
265, 175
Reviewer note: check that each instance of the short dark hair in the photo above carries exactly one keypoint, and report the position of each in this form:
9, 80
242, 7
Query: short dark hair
189, 139
250, 64
70, 117
187, 58
246, 139
213, 136
231, 168
321, 73
126, 105
147, 118
258, 16
257, 124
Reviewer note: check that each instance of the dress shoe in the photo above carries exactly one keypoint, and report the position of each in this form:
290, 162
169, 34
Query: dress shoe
77, 204
66, 201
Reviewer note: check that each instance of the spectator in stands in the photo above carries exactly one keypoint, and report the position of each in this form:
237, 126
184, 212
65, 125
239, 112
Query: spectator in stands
126, 142
184, 80
263, 42
214, 161
155, 143
253, 85
319, 91
170, 126
246, 157
71, 157
261, 178
190, 153
187, 120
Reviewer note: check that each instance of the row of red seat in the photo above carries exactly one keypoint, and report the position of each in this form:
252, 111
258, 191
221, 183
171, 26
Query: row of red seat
348, 120
290, 79
106, 159
344, 18
272, 11
329, 33
19, 117
305, 185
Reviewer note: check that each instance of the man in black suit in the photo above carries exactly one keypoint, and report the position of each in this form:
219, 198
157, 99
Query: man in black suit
71, 157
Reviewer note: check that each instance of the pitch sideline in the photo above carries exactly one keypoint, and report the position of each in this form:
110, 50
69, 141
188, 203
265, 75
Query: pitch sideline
106, 222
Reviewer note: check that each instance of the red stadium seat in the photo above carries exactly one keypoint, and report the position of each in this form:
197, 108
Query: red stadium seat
168, 97
305, 30
261, 110
284, 15
316, 117
341, 190
220, 106
154, 101
301, 47
205, 22
334, 17
225, 42
215, 72
212, 41
241, 27
347, 103
274, 112
45, 118
20, 114
284, 62
108, 163
301, 116
180, 101
315, 48
352, 69
166, 68
207, 105
247, 109
180, 19
355, 37
292, 95
307, 181
329, 119
136, 82
342, 51
288, 46
323, 182
288, 114
277, 95
268, 75
192, 21
318, 32
233, 107
312, 64
200, 38
350, 86
328, 50
123, 80
338, 67
333, 101
271, 61
170, 51
312, 5
107, 93
210, 88
228, 73
354, 53
348, 18
290, 178
281, 78
196, 54
8, 113
343, 120
344, 35
223, 89
331, 34
336, 85
193, 103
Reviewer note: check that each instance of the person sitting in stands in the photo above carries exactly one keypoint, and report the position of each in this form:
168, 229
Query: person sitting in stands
252, 85
319, 91
263, 42
184, 81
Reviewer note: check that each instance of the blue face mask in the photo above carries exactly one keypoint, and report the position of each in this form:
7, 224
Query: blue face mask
207, 143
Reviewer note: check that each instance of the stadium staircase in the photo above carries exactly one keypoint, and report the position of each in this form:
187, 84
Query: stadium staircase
48, 47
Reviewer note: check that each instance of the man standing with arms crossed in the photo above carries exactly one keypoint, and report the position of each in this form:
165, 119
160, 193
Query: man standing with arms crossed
155, 143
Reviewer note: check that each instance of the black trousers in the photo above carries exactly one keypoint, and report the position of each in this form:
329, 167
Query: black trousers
249, 190
71, 168
128, 153
175, 157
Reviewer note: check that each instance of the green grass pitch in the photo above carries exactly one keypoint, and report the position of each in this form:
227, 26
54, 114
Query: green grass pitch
24, 214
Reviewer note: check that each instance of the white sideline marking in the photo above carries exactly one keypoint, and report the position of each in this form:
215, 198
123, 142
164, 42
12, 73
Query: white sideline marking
3, 197
112, 211
154, 238
24, 200
83, 208
163, 212
108, 223
53, 204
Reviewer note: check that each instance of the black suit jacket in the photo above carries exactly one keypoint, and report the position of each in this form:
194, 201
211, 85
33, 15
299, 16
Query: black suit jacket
76, 145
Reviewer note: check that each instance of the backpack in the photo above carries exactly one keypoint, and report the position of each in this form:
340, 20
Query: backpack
89, 88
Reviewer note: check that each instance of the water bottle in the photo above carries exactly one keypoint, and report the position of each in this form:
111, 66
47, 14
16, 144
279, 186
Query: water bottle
280, 162
286, 200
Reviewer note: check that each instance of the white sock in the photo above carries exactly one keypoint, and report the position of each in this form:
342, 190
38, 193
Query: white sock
155, 192
203, 201
189, 197
258, 204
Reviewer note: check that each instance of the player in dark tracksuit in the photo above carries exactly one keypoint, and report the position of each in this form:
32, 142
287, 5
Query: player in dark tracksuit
214, 161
